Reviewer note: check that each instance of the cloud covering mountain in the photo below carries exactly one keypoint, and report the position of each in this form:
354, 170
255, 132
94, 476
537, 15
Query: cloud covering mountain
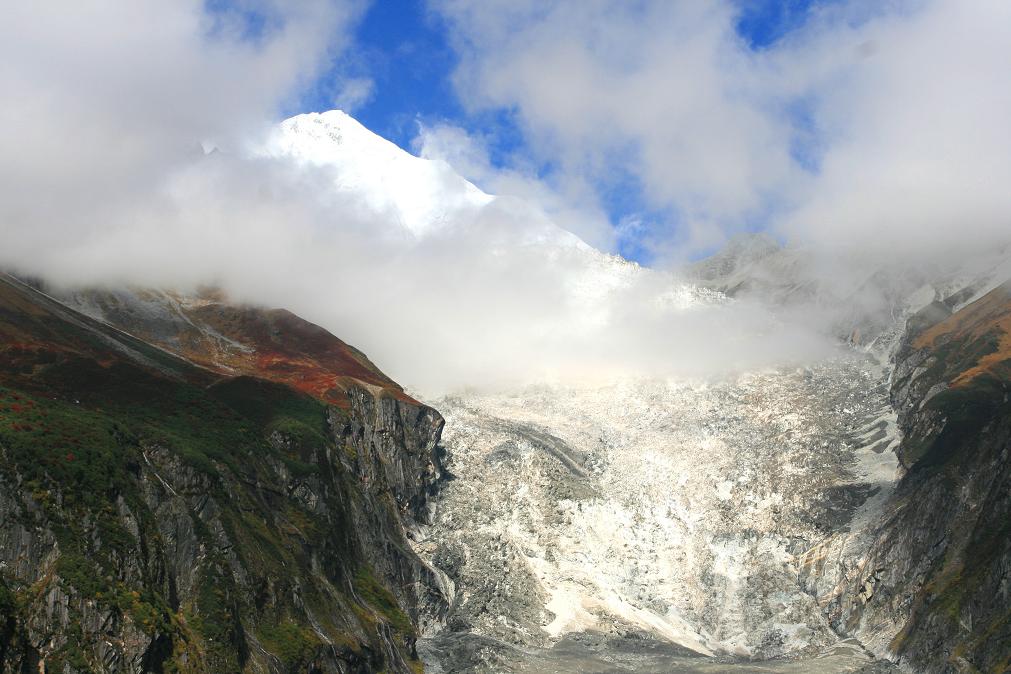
139, 144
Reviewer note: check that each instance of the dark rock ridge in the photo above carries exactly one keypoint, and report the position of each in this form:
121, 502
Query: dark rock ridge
934, 590
168, 513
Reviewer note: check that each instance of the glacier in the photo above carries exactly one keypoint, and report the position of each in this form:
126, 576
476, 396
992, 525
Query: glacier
668, 511
630, 523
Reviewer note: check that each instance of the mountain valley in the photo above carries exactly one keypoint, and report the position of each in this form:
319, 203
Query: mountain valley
193, 483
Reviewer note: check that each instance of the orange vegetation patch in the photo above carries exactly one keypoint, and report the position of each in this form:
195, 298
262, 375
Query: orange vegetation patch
205, 330
279, 346
303, 375
988, 316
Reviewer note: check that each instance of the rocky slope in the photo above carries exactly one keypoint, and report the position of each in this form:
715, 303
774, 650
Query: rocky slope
926, 582
934, 590
229, 493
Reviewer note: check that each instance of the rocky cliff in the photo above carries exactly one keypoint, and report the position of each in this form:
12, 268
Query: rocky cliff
169, 506
933, 591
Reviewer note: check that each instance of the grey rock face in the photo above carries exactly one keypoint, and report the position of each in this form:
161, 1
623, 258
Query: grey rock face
932, 589
240, 545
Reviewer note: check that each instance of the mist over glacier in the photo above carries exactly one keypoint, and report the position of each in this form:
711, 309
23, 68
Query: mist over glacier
163, 179
444, 286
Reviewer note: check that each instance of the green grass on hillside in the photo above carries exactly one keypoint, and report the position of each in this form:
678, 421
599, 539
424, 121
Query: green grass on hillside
76, 434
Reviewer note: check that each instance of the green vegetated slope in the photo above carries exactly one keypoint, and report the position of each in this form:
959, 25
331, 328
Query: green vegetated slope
156, 516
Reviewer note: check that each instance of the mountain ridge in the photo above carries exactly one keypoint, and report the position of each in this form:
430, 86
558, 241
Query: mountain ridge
238, 339
156, 515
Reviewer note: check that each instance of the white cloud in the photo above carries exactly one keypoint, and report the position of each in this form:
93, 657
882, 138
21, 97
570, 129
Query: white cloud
570, 202
663, 88
913, 109
902, 108
104, 102
104, 180
102, 176
354, 93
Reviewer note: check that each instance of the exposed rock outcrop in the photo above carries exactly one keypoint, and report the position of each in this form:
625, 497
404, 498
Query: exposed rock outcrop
160, 516
933, 590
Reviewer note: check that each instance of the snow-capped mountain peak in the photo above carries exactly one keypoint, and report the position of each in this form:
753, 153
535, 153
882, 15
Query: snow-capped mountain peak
420, 194
419, 198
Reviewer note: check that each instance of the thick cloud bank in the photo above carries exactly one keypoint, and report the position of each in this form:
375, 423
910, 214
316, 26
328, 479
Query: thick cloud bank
876, 127
138, 145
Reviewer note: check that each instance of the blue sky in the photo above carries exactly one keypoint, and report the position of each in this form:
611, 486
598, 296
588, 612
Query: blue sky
404, 49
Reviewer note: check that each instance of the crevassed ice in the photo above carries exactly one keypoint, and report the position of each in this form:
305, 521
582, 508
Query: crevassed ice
680, 509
